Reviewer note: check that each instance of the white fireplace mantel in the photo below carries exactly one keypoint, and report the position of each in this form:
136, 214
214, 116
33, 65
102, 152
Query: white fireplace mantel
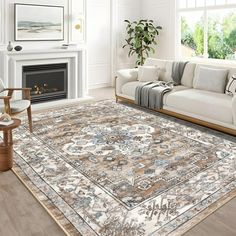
12, 64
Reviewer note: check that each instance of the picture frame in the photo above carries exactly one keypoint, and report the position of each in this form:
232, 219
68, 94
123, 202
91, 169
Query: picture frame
38, 22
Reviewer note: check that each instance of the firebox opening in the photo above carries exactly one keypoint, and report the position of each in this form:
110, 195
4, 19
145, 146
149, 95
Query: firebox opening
48, 82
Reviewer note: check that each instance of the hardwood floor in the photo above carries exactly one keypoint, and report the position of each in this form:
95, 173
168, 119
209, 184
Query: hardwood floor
22, 215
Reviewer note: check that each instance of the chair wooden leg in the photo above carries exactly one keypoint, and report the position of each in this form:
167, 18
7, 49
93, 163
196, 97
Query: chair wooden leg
30, 119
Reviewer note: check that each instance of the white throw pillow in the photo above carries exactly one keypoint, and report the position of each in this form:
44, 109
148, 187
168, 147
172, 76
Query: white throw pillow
210, 79
148, 73
231, 86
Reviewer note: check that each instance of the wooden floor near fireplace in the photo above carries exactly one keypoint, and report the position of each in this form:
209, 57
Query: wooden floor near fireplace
21, 214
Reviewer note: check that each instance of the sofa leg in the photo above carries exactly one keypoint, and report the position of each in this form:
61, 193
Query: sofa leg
117, 99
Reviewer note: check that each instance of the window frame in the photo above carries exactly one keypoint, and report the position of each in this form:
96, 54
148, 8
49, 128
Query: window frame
205, 9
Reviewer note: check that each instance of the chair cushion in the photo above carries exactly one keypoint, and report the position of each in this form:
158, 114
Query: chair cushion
208, 104
16, 105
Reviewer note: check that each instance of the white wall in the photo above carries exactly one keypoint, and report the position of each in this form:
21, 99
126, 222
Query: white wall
126, 10
105, 34
99, 43
163, 12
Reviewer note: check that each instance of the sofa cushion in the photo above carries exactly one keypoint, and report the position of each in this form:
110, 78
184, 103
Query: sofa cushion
212, 66
155, 62
210, 79
148, 73
164, 65
129, 88
128, 74
231, 86
188, 75
165, 74
175, 89
215, 106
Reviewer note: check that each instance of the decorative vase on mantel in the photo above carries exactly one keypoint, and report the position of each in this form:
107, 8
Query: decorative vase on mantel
9, 47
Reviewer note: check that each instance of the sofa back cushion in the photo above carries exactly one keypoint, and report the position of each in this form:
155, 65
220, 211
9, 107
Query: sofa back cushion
148, 73
188, 75
210, 79
165, 68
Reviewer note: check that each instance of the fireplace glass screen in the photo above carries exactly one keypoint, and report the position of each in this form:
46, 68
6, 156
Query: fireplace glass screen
48, 82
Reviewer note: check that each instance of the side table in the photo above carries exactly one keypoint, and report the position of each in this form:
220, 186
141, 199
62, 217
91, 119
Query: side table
6, 147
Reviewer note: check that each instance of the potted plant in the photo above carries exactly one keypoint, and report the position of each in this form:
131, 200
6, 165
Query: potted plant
141, 38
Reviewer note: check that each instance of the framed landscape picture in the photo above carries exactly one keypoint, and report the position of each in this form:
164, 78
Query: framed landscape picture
39, 22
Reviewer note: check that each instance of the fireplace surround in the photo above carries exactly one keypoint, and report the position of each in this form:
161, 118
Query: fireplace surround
13, 64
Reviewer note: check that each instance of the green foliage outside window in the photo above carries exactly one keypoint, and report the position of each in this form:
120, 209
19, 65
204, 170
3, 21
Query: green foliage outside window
221, 36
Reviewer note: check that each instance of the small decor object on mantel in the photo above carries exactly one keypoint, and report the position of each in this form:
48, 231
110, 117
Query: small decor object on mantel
9, 47
18, 48
141, 38
64, 46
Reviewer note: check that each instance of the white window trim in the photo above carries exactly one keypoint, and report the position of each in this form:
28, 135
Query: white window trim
205, 10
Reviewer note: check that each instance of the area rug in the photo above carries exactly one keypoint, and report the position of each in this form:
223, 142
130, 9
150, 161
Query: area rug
114, 170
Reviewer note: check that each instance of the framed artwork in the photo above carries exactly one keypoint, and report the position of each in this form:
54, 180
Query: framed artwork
39, 22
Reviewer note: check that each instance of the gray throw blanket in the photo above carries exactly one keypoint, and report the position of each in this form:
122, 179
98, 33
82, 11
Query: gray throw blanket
177, 71
150, 94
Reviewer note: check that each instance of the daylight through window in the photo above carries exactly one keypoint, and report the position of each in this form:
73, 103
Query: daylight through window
208, 28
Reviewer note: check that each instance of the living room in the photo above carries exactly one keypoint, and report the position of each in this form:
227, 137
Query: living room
118, 117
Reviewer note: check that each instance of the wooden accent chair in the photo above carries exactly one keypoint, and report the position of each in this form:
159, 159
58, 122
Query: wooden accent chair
14, 107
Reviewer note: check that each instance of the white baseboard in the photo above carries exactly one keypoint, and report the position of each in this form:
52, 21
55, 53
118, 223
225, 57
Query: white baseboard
96, 86
59, 103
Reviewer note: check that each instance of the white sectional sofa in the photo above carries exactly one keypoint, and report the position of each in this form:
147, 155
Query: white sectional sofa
213, 109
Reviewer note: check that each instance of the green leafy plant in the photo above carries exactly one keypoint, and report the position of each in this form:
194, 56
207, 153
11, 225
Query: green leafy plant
141, 38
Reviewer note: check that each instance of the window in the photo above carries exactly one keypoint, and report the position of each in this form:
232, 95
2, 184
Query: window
208, 28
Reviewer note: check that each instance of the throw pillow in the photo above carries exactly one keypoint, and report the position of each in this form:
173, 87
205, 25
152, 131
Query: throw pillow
231, 86
210, 79
148, 73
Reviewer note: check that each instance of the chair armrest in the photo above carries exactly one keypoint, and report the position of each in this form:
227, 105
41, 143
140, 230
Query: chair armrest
20, 89
25, 91
234, 109
124, 76
5, 97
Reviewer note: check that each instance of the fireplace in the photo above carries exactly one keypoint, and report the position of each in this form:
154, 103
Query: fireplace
48, 82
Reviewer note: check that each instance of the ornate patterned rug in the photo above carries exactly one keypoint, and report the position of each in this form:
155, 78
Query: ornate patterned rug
114, 170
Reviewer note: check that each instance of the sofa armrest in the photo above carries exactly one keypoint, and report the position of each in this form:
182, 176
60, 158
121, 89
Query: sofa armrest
124, 76
234, 109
